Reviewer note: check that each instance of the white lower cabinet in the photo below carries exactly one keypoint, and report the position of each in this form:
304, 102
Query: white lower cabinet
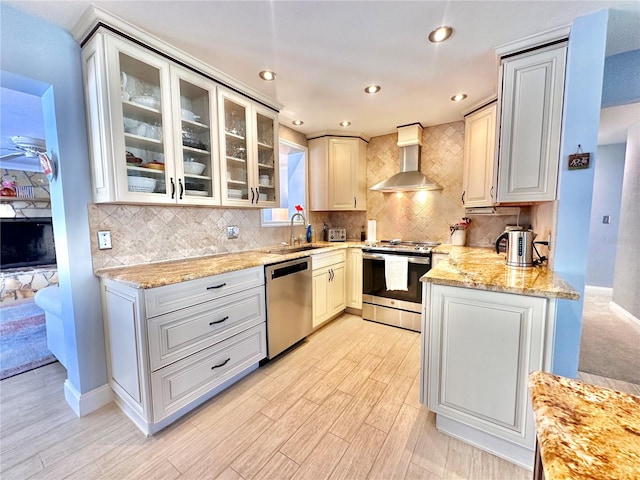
167, 354
354, 278
328, 286
477, 355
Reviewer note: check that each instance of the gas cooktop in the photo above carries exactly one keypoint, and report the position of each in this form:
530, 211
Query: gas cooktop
397, 245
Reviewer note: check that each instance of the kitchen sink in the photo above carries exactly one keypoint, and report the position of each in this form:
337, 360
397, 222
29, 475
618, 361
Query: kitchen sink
285, 250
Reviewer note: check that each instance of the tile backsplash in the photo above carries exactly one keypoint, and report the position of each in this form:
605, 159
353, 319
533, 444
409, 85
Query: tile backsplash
142, 234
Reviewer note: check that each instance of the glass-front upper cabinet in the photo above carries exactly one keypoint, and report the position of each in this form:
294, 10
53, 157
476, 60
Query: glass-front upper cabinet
248, 152
144, 149
153, 127
196, 152
266, 148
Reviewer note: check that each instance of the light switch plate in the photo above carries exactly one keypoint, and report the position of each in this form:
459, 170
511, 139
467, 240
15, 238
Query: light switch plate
104, 240
233, 231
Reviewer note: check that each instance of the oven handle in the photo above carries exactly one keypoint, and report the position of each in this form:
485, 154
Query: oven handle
378, 256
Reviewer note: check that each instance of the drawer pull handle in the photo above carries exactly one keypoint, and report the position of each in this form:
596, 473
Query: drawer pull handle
219, 321
222, 364
215, 287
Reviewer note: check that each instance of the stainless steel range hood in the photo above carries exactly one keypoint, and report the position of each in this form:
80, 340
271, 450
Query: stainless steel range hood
410, 179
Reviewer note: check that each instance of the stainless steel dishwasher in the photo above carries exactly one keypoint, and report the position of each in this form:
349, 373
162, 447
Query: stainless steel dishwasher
289, 309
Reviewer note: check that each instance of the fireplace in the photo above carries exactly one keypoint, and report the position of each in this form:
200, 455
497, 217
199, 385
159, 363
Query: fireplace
26, 242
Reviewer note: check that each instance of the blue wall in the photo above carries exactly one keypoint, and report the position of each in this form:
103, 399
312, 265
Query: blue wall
607, 192
621, 80
583, 92
42, 59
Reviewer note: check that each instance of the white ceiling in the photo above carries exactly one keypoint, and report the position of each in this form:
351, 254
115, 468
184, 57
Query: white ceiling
326, 52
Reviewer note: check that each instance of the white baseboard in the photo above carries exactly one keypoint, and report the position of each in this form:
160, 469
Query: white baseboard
85, 403
621, 312
593, 290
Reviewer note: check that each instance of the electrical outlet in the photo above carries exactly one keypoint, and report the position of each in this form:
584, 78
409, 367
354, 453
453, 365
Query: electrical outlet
233, 231
606, 219
104, 240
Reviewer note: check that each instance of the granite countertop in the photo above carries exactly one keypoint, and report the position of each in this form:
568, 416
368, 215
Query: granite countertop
150, 275
483, 269
585, 431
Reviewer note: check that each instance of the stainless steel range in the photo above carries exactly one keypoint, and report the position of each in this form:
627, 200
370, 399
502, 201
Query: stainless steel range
400, 308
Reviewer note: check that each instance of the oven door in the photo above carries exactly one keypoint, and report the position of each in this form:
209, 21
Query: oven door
373, 279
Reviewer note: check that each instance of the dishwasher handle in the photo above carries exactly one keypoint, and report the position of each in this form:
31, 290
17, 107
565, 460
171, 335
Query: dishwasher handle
289, 268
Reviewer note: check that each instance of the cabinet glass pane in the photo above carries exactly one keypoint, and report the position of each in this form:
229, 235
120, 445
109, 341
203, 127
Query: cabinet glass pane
235, 131
266, 165
196, 140
143, 126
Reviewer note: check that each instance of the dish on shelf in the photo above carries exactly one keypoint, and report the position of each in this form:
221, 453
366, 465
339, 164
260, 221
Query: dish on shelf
233, 193
154, 165
262, 197
194, 168
197, 193
130, 125
189, 115
141, 184
133, 160
146, 100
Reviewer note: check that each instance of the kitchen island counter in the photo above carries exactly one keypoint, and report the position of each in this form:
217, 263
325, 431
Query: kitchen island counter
151, 275
585, 431
483, 269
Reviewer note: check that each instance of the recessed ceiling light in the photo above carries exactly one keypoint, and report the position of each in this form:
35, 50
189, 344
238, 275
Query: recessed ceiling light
440, 34
267, 75
345, 123
372, 89
298, 122
459, 97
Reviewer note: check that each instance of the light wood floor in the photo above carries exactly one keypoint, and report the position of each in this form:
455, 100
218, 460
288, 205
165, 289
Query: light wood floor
342, 405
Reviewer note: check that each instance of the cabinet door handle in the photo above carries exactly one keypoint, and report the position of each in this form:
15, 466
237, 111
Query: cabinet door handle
219, 321
252, 195
355, 201
257, 195
463, 196
221, 364
173, 189
214, 287
331, 274
181, 188
491, 192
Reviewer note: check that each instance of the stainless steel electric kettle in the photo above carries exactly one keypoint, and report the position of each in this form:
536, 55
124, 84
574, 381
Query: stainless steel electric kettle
519, 247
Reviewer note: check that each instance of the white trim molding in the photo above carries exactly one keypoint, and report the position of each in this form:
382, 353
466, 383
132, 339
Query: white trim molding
532, 41
85, 403
594, 290
621, 312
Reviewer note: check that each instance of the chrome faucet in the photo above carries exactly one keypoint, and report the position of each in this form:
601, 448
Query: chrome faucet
292, 238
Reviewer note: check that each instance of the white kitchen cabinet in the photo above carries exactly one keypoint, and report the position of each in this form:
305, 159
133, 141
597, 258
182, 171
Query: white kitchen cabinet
170, 348
354, 278
249, 152
479, 168
338, 171
479, 349
328, 289
530, 125
150, 122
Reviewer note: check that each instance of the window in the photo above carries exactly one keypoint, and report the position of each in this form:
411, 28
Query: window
293, 186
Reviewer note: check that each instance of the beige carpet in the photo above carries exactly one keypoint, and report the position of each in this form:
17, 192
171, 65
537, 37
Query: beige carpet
610, 345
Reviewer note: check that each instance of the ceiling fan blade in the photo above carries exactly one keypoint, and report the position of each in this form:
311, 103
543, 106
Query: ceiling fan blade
11, 156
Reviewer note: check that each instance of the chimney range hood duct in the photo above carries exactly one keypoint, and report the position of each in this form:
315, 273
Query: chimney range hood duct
410, 179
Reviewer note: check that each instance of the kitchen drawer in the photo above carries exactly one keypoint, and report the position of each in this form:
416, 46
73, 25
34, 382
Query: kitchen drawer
169, 298
322, 260
183, 382
175, 335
